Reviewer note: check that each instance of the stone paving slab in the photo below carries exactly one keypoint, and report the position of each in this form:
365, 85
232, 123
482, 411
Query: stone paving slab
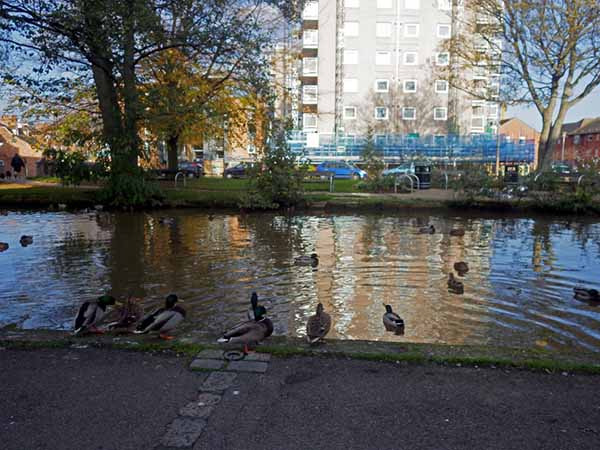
206, 399
248, 366
210, 354
196, 410
264, 357
218, 381
183, 432
207, 364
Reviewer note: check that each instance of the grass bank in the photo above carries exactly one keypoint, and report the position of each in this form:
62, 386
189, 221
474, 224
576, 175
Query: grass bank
407, 353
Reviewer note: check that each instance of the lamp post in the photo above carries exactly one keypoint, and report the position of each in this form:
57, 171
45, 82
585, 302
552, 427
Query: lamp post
562, 153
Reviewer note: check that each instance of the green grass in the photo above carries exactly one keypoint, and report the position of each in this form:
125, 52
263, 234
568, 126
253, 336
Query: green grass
54, 180
42, 196
217, 184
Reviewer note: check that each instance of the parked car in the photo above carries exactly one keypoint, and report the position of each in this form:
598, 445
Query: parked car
562, 168
342, 169
191, 169
240, 170
400, 170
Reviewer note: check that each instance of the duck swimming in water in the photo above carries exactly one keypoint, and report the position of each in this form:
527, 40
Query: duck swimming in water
91, 313
457, 232
305, 260
392, 321
586, 295
26, 240
3, 247
461, 267
454, 285
163, 319
318, 325
251, 332
427, 230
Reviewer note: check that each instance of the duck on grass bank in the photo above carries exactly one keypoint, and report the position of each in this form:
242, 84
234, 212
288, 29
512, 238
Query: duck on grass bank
318, 325
127, 315
454, 285
251, 332
91, 313
305, 260
26, 240
427, 230
163, 319
392, 321
461, 268
586, 295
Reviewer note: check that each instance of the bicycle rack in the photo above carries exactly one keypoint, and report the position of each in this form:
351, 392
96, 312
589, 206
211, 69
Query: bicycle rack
183, 176
407, 176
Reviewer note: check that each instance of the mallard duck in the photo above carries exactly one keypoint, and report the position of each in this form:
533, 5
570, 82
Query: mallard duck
305, 260
454, 285
129, 314
457, 232
166, 220
251, 332
211, 217
3, 212
253, 306
318, 325
91, 313
461, 267
3, 247
427, 230
392, 321
587, 295
163, 319
26, 240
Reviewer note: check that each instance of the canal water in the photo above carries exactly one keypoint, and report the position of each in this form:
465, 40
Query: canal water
518, 292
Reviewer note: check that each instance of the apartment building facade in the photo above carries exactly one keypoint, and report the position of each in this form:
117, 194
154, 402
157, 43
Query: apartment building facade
377, 64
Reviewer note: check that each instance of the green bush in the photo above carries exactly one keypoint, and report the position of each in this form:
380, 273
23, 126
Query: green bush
131, 190
71, 167
473, 180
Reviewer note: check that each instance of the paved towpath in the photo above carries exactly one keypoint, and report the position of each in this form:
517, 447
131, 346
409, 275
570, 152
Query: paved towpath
110, 399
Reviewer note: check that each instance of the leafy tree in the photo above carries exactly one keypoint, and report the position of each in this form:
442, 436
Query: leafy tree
547, 53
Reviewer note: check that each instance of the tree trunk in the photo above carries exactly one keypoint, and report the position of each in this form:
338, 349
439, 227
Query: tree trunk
172, 152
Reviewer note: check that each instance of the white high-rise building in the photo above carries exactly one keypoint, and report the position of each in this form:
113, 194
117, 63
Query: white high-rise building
378, 64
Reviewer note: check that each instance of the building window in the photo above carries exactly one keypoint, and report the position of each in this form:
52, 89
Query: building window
310, 38
412, 4
351, 29
352, 3
477, 110
441, 86
411, 30
309, 94
350, 112
383, 58
444, 5
383, 29
381, 113
311, 11
309, 121
477, 124
384, 4
350, 85
410, 58
493, 111
444, 30
309, 67
442, 59
350, 57
440, 113
409, 113
409, 86
382, 85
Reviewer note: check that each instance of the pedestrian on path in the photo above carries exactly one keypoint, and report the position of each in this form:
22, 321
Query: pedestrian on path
17, 164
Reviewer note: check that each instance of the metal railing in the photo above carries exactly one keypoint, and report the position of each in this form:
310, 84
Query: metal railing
411, 177
183, 176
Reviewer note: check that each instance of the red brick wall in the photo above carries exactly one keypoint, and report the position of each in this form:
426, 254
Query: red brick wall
586, 149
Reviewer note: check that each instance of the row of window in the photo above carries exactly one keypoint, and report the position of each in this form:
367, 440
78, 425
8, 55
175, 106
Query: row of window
311, 8
379, 113
310, 66
384, 30
310, 91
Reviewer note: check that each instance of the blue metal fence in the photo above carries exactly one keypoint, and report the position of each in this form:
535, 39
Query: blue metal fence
475, 148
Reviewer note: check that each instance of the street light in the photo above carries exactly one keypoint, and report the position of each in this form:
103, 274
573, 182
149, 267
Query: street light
562, 154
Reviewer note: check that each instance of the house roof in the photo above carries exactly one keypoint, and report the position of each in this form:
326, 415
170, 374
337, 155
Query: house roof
523, 124
583, 126
14, 143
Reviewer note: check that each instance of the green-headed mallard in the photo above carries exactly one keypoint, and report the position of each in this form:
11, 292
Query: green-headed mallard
163, 319
253, 306
91, 313
457, 232
318, 325
26, 240
461, 267
392, 321
3, 247
586, 295
454, 285
427, 230
251, 332
128, 314
305, 260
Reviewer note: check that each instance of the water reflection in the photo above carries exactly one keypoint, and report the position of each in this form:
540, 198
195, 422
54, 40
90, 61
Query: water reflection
518, 291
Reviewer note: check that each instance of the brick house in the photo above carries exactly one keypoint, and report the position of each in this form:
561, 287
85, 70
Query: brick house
579, 142
516, 130
12, 140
